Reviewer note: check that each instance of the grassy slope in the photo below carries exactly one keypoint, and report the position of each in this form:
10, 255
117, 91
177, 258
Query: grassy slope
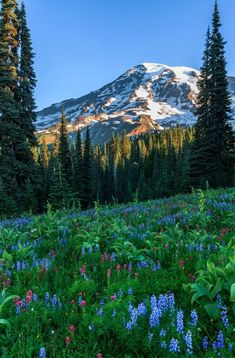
101, 268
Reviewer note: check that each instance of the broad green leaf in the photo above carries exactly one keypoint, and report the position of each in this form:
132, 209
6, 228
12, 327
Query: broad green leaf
200, 291
212, 310
10, 298
232, 293
218, 287
5, 323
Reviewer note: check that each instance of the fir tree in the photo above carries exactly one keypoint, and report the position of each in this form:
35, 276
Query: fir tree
7, 204
78, 166
87, 174
27, 79
213, 149
16, 158
64, 154
61, 196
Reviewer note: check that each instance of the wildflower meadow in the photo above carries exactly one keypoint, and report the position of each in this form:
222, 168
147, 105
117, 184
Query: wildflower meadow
154, 279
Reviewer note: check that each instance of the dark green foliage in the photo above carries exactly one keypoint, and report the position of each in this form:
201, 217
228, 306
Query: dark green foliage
27, 79
64, 154
78, 166
212, 159
61, 196
86, 195
7, 204
16, 131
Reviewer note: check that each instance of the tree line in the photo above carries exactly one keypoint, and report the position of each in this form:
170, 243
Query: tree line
79, 174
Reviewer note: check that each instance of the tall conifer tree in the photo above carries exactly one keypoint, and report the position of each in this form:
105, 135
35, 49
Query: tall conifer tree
27, 79
87, 172
78, 166
64, 154
213, 149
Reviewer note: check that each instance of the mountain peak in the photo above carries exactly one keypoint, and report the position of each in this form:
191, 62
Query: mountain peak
162, 94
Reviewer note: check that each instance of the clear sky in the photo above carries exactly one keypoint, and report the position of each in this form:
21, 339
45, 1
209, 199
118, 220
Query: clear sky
81, 45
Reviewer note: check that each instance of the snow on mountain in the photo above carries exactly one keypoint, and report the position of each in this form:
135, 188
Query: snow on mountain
148, 96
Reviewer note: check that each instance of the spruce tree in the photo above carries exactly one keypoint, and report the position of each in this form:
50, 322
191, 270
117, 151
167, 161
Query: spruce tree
16, 158
212, 159
9, 113
78, 166
86, 194
27, 79
60, 196
64, 154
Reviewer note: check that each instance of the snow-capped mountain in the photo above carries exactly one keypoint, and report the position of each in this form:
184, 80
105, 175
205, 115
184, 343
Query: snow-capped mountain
148, 96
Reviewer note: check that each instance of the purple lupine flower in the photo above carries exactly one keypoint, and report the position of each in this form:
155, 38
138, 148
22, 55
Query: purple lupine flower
99, 312
153, 301
142, 310
230, 347
18, 266
130, 291
162, 333
42, 353
129, 325
130, 266
220, 339
35, 297
215, 346
54, 301
163, 302
205, 343
171, 301
134, 315
144, 264
114, 313
174, 346
156, 267
189, 342
224, 316
180, 321
47, 298
155, 316
113, 256
163, 344
18, 310
219, 301
194, 318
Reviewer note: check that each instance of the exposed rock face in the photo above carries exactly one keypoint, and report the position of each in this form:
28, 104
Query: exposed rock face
146, 97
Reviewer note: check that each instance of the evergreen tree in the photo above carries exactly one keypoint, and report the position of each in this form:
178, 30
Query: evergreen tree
45, 153
86, 194
7, 204
61, 196
9, 116
213, 149
78, 166
27, 79
16, 158
64, 154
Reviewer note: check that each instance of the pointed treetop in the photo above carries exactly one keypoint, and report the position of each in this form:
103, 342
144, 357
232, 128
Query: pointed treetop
216, 17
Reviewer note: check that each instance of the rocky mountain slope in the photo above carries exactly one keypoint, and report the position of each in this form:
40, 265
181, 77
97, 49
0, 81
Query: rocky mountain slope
146, 97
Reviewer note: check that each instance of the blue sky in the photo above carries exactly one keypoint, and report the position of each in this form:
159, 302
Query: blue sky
81, 45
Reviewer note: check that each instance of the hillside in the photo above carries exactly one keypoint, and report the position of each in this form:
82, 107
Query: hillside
113, 281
